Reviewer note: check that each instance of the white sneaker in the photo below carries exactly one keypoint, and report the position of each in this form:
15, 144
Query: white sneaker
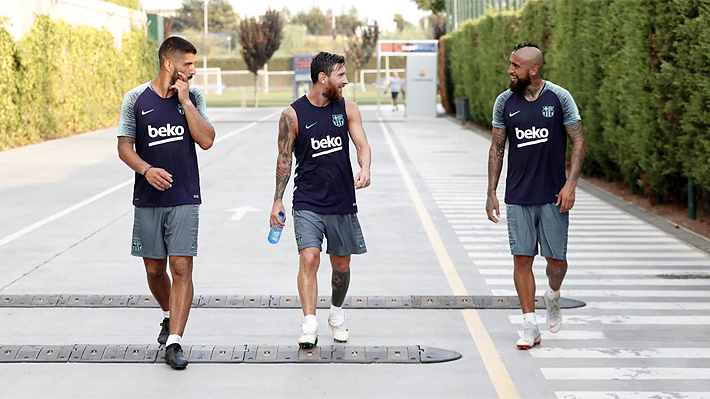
530, 338
554, 316
340, 331
308, 338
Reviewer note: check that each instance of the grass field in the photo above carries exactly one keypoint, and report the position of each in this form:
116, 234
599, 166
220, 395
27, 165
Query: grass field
282, 97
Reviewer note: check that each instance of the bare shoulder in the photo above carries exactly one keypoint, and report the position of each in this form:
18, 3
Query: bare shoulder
349, 104
352, 110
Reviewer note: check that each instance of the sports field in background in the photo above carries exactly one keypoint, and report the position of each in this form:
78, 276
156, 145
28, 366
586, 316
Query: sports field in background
283, 96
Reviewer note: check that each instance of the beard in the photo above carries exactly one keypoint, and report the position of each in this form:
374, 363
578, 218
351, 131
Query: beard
332, 93
520, 84
175, 77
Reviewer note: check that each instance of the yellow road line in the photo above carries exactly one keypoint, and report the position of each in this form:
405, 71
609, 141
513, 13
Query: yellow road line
491, 359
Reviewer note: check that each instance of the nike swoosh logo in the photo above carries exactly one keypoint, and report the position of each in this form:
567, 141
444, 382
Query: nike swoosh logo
147, 112
512, 114
554, 325
310, 126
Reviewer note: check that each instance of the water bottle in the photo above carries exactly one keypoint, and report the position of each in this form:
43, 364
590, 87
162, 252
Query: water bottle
275, 232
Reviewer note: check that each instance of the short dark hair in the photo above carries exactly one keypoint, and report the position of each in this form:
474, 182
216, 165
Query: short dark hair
175, 44
324, 62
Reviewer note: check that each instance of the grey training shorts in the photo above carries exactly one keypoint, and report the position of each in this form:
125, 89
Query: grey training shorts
159, 232
343, 232
530, 225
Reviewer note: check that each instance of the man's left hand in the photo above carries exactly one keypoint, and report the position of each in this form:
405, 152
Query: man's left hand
566, 196
182, 87
362, 179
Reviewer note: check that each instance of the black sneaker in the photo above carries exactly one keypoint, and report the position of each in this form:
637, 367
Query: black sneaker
175, 357
164, 331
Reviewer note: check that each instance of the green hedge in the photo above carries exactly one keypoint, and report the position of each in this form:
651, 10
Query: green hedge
64, 80
9, 117
639, 71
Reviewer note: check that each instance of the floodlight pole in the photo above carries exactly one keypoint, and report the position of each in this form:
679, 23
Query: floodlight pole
377, 80
204, 51
333, 26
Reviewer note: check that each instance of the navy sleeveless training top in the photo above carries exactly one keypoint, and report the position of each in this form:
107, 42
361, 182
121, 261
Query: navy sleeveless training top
324, 181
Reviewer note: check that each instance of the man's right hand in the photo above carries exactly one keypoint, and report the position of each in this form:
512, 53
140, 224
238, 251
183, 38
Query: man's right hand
159, 178
274, 219
491, 206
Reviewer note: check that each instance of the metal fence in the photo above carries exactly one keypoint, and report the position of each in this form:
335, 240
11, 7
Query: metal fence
458, 11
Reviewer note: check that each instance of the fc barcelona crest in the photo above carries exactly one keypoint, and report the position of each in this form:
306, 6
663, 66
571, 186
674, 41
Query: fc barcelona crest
338, 120
548, 111
180, 110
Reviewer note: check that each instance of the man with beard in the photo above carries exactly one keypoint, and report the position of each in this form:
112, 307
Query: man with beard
316, 128
160, 123
536, 117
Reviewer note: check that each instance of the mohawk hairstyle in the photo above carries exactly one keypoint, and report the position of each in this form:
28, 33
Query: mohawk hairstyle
530, 44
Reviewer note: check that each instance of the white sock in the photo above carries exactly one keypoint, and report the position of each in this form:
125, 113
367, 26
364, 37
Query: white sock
337, 314
173, 339
166, 314
529, 318
551, 294
310, 323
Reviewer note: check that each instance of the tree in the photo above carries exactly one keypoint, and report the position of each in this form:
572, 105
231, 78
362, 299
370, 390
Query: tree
437, 19
435, 6
314, 19
220, 14
401, 22
260, 40
347, 23
360, 47
434, 25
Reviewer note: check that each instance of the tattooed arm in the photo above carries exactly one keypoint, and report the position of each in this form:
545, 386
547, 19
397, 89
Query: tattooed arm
288, 131
495, 165
579, 150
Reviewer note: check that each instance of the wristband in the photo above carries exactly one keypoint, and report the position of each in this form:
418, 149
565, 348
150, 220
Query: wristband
147, 169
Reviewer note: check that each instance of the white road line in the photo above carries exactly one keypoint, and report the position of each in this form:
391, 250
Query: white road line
601, 263
595, 247
610, 224
602, 272
569, 335
625, 373
576, 255
502, 382
648, 305
585, 231
613, 282
621, 353
616, 293
102, 194
470, 229
631, 395
623, 320
243, 128
64, 212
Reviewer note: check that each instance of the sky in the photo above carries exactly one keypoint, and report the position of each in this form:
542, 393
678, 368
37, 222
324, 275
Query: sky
381, 10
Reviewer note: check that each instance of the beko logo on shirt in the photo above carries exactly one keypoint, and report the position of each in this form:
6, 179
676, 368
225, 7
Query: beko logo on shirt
532, 133
328, 144
174, 133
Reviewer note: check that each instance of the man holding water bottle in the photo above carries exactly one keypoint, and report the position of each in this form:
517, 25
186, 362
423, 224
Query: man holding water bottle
317, 128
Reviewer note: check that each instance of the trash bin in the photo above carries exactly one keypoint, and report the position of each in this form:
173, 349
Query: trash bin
462, 109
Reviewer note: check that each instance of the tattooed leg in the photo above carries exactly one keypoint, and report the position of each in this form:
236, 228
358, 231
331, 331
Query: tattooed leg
340, 280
